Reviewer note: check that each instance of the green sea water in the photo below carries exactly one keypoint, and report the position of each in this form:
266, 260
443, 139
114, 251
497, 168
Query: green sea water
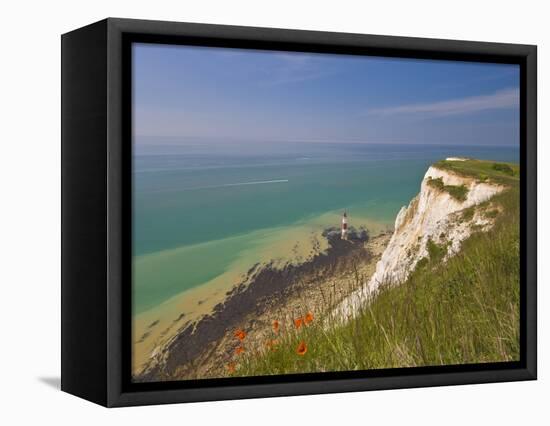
199, 208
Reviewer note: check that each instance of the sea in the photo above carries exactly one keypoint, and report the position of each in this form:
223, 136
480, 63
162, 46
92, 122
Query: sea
207, 211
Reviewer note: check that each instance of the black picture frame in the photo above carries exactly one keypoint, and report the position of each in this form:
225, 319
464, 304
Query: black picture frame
96, 212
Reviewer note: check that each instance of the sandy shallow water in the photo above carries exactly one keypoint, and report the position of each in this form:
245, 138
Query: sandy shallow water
154, 328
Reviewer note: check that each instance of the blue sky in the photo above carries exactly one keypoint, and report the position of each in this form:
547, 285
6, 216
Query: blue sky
184, 94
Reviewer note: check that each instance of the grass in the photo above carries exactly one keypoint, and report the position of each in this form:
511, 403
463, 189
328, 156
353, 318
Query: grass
468, 214
504, 168
500, 173
464, 310
436, 252
459, 192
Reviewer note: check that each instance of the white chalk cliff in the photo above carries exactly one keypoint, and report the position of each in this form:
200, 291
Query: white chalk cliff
432, 215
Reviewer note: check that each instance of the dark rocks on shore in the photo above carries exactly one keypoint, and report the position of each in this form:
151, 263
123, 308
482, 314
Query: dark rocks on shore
145, 336
267, 285
182, 315
153, 324
354, 234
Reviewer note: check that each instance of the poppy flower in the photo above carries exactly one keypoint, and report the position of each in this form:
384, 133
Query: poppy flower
298, 322
240, 334
239, 350
308, 318
301, 349
231, 367
276, 326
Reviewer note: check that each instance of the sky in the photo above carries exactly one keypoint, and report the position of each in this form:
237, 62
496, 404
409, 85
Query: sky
183, 94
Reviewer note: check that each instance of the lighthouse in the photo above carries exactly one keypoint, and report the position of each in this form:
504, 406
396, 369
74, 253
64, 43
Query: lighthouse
344, 235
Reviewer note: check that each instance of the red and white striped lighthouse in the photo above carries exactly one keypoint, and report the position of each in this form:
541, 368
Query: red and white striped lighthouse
344, 226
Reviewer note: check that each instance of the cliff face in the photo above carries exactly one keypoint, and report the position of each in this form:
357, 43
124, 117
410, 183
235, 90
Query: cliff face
436, 218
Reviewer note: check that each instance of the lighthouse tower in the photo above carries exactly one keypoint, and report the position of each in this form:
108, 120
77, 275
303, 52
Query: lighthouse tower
344, 235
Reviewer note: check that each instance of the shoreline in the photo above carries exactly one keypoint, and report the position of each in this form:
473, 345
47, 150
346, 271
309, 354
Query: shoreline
202, 348
296, 244
291, 242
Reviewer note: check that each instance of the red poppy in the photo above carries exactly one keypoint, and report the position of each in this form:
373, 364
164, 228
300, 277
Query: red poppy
240, 334
239, 350
298, 322
231, 367
301, 349
308, 318
276, 326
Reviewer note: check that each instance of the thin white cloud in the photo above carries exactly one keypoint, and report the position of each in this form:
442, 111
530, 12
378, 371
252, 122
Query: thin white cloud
294, 68
502, 99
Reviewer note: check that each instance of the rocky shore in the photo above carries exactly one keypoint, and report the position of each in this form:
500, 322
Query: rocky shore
270, 292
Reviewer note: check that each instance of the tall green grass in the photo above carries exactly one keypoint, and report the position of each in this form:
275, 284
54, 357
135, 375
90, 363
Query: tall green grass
464, 310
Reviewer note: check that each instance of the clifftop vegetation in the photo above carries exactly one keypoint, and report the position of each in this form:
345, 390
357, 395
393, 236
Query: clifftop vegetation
482, 170
458, 192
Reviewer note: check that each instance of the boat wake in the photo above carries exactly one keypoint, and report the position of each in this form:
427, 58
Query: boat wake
259, 182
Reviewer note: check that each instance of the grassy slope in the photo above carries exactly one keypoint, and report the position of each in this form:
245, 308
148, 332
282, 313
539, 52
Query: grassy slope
463, 311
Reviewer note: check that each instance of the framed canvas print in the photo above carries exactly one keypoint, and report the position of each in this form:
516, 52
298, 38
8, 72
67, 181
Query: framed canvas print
251, 212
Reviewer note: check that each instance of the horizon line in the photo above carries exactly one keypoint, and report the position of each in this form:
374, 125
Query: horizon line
323, 142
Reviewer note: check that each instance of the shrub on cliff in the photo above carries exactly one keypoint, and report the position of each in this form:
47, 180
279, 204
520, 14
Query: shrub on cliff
504, 168
459, 192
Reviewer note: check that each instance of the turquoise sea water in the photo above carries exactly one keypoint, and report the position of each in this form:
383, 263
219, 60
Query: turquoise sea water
198, 206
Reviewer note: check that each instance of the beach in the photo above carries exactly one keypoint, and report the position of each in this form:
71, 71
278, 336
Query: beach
202, 346
292, 247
